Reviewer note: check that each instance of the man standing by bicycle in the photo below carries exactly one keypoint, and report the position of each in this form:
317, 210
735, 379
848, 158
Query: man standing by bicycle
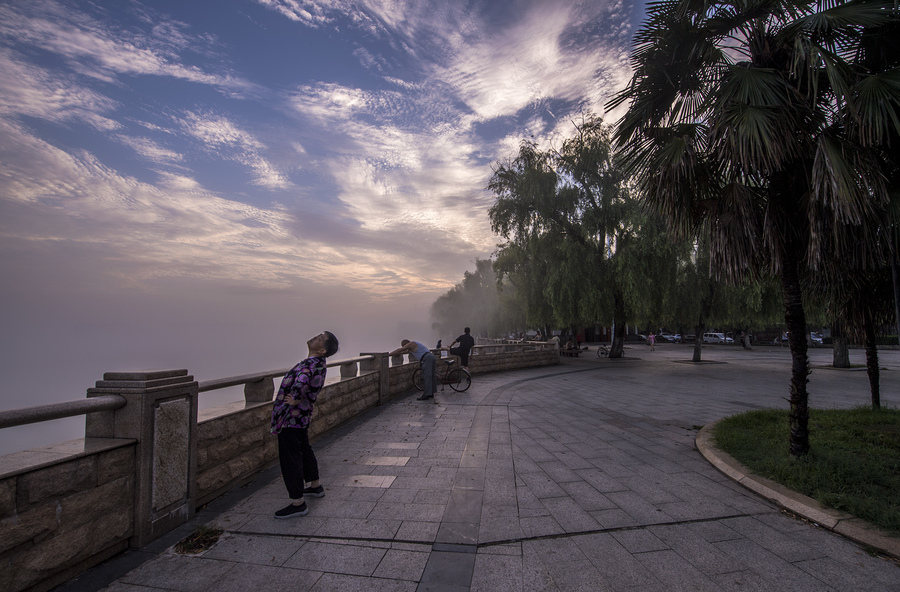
422, 354
466, 343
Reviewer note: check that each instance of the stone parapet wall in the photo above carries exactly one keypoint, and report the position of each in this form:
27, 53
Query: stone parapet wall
70, 506
236, 443
401, 377
59, 518
511, 359
232, 447
342, 401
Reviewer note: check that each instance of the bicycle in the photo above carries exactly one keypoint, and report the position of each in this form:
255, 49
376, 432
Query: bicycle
459, 379
603, 351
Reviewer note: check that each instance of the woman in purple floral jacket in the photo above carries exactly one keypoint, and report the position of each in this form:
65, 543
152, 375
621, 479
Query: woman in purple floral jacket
290, 419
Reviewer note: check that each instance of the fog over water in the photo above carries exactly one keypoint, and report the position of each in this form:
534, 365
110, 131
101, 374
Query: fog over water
54, 353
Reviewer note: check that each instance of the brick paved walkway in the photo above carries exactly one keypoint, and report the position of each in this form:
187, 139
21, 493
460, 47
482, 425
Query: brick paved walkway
583, 476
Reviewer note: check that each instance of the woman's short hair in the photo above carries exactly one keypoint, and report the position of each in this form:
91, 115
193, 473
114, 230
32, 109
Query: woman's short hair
331, 344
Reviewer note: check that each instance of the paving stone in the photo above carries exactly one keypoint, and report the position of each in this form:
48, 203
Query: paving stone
497, 573
263, 550
569, 515
175, 572
673, 571
263, 578
346, 583
402, 565
417, 531
603, 490
332, 558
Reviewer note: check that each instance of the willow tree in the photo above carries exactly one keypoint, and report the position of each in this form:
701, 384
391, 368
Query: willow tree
757, 122
572, 209
477, 302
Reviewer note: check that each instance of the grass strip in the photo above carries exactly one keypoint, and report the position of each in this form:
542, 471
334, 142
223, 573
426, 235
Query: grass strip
853, 464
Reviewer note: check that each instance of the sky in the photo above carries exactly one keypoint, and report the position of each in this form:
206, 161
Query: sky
206, 184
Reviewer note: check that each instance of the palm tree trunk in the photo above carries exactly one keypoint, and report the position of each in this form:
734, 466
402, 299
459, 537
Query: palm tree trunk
618, 344
795, 319
872, 359
705, 308
895, 276
841, 357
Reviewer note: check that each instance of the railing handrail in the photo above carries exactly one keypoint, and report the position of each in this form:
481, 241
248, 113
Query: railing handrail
218, 383
38, 413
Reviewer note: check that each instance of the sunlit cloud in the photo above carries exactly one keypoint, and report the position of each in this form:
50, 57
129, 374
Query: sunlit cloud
148, 232
406, 160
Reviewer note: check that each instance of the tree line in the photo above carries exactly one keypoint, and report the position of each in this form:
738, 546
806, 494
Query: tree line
752, 179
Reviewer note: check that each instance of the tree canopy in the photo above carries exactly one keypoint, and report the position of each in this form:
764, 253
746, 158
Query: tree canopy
762, 125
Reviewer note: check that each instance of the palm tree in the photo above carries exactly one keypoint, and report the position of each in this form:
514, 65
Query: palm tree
757, 123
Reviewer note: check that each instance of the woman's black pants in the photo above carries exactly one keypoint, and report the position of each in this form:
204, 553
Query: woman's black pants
298, 462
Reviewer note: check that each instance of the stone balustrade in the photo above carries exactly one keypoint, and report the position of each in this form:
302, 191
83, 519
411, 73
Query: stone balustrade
144, 467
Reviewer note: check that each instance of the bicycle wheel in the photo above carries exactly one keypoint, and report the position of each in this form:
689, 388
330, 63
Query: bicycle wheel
418, 379
602, 352
459, 380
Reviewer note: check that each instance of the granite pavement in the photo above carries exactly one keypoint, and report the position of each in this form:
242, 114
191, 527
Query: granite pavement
582, 476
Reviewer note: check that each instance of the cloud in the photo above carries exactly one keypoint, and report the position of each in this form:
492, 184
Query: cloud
101, 50
31, 91
135, 234
150, 150
393, 169
227, 140
313, 13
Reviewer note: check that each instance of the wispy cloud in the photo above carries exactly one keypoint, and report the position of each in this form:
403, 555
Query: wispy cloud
27, 90
403, 157
227, 140
176, 230
100, 50
151, 151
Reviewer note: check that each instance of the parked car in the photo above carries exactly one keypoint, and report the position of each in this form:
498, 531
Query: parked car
716, 338
665, 338
816, 337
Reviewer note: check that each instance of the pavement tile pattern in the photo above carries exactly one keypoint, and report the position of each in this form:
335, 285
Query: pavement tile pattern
583, 476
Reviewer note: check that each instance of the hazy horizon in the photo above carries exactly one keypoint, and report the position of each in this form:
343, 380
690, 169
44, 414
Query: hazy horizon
204, 184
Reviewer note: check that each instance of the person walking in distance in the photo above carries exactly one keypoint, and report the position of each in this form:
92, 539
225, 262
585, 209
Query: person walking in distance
651, 341
420, 353
291, 414
466, 343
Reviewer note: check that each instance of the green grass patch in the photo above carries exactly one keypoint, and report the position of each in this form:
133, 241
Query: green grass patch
853, 464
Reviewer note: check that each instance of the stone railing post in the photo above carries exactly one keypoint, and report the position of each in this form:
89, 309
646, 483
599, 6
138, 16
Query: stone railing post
381, 364
348, 370
260, 391
161, 415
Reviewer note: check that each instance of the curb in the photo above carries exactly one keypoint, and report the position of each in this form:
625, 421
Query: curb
842, 523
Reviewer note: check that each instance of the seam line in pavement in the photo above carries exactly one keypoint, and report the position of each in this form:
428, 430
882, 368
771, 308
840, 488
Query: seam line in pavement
472, 548
619, 529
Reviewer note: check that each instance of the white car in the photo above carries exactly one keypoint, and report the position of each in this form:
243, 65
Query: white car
816, 337
716, 338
